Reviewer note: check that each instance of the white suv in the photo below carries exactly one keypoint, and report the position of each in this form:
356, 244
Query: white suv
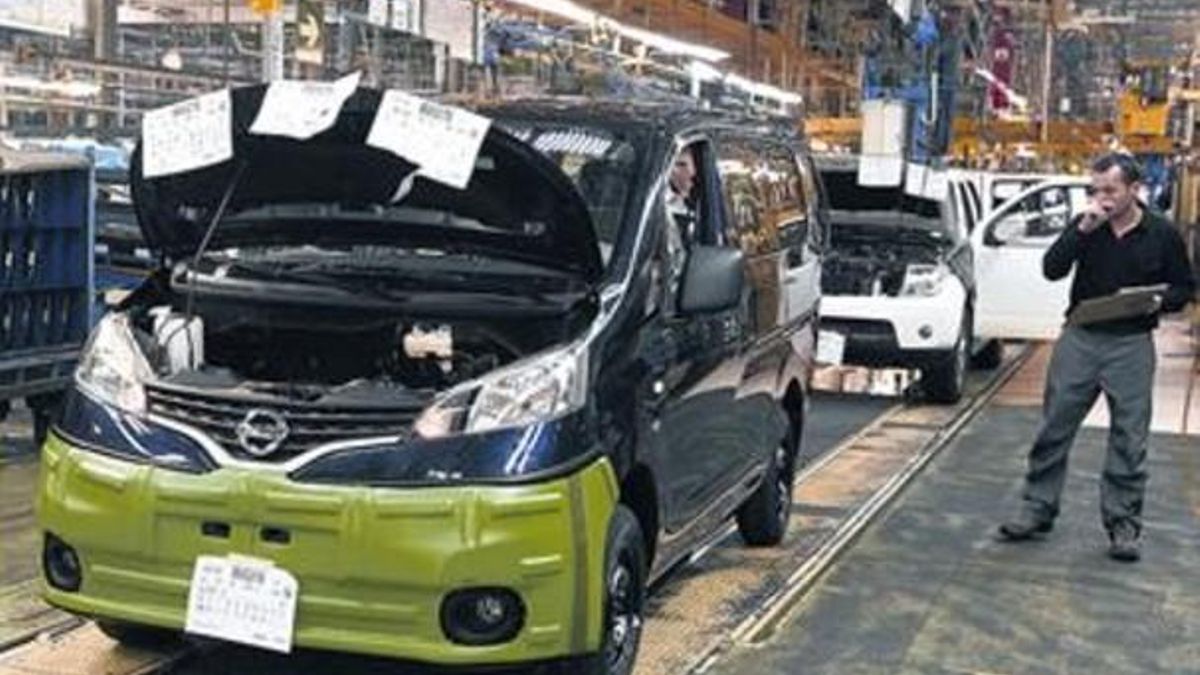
933, 274
899, 281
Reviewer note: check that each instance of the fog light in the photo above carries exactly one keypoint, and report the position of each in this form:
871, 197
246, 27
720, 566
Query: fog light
925, 332
482, 616
61, 564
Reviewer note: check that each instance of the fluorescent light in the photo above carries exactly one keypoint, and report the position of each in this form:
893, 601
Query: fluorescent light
670, 45
563, 8
763, 90
574, 12
699, 68
704, 72
72, 89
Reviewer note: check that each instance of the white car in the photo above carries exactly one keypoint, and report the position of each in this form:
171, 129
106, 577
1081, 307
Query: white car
918, 277
1012, 298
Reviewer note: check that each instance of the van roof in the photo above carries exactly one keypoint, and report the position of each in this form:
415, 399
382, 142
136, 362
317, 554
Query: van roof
670, 116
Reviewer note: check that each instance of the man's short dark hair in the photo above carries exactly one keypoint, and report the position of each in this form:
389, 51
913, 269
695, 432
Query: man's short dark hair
1131, 171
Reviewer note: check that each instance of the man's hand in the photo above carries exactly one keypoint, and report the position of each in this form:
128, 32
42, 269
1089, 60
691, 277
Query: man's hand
1093, 217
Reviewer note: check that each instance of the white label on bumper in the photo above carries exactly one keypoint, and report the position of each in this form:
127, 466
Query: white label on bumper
831, 347
242, 600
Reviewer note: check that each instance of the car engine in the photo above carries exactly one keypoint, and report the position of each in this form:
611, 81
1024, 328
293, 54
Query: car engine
871, 266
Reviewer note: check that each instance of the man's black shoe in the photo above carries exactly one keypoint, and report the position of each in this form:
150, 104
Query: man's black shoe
1123, 544
1025, 527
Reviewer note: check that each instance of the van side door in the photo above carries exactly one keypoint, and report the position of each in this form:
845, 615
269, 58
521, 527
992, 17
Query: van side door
767, 219
691, 392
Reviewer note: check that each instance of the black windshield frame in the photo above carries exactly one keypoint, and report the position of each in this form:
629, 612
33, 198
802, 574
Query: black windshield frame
621, 166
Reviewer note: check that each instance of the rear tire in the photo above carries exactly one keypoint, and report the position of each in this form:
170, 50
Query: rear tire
763, 519
137, 635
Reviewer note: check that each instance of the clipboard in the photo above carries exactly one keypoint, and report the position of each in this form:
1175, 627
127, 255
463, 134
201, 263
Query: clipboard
1127, 303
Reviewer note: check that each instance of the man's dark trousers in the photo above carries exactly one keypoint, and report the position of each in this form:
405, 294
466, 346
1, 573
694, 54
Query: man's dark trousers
1086, 363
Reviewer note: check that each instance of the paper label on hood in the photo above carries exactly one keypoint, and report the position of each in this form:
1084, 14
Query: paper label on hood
925, 181
187, 135
442, 140
302, 109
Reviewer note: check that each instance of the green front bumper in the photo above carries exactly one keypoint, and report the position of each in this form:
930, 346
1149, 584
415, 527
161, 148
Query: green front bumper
373, 564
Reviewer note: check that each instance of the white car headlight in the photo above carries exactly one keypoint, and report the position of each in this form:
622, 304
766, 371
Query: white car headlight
539, 389
924, 279
113, 368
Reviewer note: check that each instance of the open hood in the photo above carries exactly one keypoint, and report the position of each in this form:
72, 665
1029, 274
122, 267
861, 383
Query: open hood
518, 204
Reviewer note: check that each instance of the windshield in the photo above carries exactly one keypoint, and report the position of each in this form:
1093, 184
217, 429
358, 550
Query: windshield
845, 194
601, 162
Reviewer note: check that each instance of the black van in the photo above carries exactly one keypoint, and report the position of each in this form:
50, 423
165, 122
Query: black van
469, 426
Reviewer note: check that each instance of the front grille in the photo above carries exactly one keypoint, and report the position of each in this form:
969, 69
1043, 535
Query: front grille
860, 328
855, 276
310, 424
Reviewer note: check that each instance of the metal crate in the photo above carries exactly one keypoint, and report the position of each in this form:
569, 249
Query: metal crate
46, 274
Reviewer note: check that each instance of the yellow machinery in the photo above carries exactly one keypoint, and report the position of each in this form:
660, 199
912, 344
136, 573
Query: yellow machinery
1069, 142
1144, 108
1138, 117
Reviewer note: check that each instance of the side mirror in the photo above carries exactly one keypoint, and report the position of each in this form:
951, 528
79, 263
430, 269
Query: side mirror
713, 280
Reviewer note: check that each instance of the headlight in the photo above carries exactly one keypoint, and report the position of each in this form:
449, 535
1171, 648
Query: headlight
113, 368
538, 389
99, 427
924, 279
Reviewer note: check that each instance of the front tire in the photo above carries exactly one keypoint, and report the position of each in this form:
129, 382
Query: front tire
137, 635
945, 381
763, 519
46, 409
990, 357
625, 571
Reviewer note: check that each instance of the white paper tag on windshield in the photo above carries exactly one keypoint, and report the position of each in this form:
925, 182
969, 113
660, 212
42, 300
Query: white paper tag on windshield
302, 109
442, 140
187, 135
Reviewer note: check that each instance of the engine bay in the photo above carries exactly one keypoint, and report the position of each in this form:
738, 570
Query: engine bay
300, 353
863, 264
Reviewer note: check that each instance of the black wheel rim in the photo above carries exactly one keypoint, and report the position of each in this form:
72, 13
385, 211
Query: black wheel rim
624, 615
783, 482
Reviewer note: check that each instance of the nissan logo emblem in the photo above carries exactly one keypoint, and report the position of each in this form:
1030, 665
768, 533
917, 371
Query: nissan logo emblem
262, 431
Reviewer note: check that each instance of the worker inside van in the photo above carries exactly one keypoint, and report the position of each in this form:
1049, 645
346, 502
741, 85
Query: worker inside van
683, 208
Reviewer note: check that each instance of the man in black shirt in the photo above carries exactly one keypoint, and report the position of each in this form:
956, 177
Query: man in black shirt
1116, 244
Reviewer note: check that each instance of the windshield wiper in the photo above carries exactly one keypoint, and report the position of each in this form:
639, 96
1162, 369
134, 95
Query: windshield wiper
445, 279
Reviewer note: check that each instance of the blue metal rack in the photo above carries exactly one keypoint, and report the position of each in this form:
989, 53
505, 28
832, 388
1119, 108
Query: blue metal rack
46, 276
